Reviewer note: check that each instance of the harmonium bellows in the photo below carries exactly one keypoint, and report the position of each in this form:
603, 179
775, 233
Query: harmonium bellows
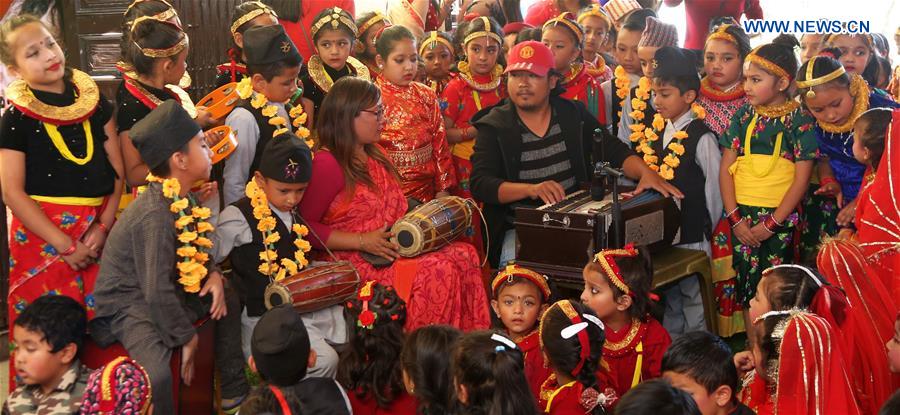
559, 239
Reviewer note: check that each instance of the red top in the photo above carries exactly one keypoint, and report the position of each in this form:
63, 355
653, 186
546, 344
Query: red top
402, 405
461, 106
700, 12
299, 31
541, 11
565, 400
581, 86
620, 352
536, 369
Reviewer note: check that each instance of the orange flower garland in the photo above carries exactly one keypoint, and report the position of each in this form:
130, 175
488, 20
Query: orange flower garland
269, 265
623, 85
646, 136
259, 101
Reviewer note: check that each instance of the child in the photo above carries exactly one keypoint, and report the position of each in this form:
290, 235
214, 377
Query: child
701, 364
510, 35
437, 52
656, 35
617, 288
541, 11
810, 45
477, 86
565, 38
245, 15
273, 64
857, 55
333, 33
572, 339
369, 24
270, 400
47, 337
597, 25
62, 170
120, 387
617, 91
836, 99
413, 136
774, 133
279, 184
797, 353
687, 156
519, 299
140, 300
657, 397
157, 9
425, 361
488, 376
721, 90
893, 348
370, 365
619, 10
281, 354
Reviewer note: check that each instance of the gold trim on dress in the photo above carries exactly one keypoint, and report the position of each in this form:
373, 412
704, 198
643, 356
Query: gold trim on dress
86, 99
183, 97
317, 73
619, 345
466, 75
777, 111
574, 70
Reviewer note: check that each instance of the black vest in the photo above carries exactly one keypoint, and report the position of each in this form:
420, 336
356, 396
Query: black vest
265, 133
689, 178
245, 260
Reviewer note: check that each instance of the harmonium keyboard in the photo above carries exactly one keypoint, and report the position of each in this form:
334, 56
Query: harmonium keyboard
559, 239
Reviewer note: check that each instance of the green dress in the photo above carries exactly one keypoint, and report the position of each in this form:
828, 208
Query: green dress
798, 144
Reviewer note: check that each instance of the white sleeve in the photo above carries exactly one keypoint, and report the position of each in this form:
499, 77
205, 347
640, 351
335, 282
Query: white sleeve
708, 158
232, 230
237, 167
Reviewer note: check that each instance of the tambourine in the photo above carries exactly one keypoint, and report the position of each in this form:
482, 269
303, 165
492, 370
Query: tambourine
222, 144
221, 101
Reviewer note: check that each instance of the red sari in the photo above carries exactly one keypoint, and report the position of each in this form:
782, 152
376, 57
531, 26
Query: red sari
634, 353
581, 86
536, 368
401, 405
415, 140
445, 286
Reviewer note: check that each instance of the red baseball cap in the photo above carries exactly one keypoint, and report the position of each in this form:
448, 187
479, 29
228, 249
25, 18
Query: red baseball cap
531, 56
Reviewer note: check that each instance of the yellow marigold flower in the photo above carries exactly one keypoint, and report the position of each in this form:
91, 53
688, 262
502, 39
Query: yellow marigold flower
183, 221
676, 148
280, 131
289, 265
186, 251
301, 259
244, 89
659, 123
280, 275
201, 257
638, 104
653, 167
201, 213
666, 172
644, 83
251, 189
672, 161
638, 115
636, 128
619, 72
266, 224
651, 159
258, 101
270, 111
622, 91
179, 205
311, 144
171, 188
647, 150
268, 255
193, 288
303, 132
619, 113
204, 227
260, 212
296, 111
699, 111
272, 238
651, 135
302, 118
636, 136
153, 179
680, 135
302, 245
186, 237
277, 121
203, 242
299, 229
187, 267
642, 94
267, 268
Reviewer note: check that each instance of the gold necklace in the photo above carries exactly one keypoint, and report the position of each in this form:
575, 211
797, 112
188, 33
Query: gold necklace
317, 73
777, 110
574, 70
859, 92
466, 74
86, 99
632, 333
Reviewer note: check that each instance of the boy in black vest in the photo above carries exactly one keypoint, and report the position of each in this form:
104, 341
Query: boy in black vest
273, 64
687, 156
284, 171
281, 355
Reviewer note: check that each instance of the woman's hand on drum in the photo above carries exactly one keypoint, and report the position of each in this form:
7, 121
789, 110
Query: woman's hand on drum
378, 243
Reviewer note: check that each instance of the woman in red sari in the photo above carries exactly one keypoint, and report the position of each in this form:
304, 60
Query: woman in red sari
354, 197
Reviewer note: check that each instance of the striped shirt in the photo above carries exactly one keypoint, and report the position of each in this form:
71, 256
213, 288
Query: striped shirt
545, 158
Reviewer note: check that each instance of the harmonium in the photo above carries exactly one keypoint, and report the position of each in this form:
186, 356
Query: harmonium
559, 239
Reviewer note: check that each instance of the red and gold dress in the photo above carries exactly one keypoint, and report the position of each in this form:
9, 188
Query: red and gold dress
415, 140
465, 95
581, 86
634, 353
599, 69
536, 368
444, 286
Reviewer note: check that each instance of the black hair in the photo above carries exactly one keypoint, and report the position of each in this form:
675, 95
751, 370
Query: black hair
739, 35
656, 396
823, 65
477, 25
703, 357
880, 42
270, 70
781, 53
59, 319
564, 354
717, 21
570, 32
384, 44
528, 33
137, 9
493, 374
290, 10
239, 11
637, 20
458, 36
261, 400
342, 26
361, 49
684, 83
892, 405
871, 128
154, 34
164, 170
503, 11
884, 72
426, 360
370, 364
637, 272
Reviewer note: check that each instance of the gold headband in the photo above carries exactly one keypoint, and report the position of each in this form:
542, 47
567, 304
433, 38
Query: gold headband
866, 37
767, 65
595, 11
135, 2
433, 39
336, 17
263, 9
721, 34
810, 82
377, 18
167, 52
562, 19
606, 259
484, 33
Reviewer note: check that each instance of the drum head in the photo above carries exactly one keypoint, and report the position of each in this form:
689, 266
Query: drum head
408, 237
276, 295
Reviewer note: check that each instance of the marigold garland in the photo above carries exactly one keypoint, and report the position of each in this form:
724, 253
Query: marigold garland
623, 85
193, 237
646, 136
259, 101
269, 264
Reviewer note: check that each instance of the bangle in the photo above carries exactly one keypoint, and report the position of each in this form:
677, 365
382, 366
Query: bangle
733, 211
734, 225
734, 217
826, 181
766, 226
770, 223
102, 227
69, 251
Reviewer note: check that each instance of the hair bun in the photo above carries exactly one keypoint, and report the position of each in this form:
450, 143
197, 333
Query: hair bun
786, 40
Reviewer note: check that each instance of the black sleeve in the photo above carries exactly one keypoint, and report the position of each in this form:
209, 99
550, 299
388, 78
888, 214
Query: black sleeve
488, 166
105, 110
12, 131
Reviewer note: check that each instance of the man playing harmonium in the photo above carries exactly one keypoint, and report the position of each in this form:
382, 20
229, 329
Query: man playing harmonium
535, 147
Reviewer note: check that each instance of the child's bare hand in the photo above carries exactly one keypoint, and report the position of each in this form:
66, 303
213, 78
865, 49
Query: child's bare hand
206, 191
188, 351
743, 361
95, 238
742, 232
81, 258
205, 119
847, 214
760, 233
832, 189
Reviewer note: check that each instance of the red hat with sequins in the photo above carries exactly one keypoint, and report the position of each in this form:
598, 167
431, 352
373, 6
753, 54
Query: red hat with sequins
531, 56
